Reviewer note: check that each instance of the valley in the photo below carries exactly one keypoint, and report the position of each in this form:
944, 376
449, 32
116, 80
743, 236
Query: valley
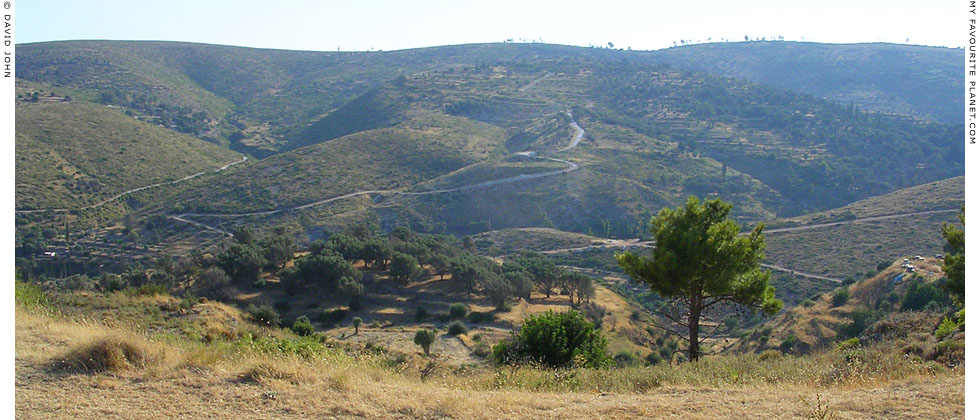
283, 233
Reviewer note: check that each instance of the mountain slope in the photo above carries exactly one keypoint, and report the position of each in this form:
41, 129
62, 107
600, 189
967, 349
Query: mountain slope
72, 153
902, 79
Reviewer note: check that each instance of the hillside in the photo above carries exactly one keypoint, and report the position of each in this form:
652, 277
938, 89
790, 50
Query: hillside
899, 79
628, 164
73, 153
652, 134
887, 297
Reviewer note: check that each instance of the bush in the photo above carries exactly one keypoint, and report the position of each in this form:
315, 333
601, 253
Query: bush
731, 323
806, 303
456, 328
457, 311
860, 320
421, 314
635, 315
849, 344
947, 328
111, 282
302, 326
949, 352
625, 359
356, 322
332, 317
557, 340
770, 355
788, 343
654, 358
424, 338
919, 295
481, 317
840, 296
263, 315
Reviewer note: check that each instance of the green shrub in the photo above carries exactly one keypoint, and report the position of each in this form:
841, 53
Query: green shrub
424, 338
919, 295
806, 303
840, 296
949, 352
947, 328
457, 311
788, 343
356, 322
332, 317
481, 317
456, 328
556, 340
421, 314
302, 326
625, 358
29, 295
654, 358
849, 344
860, 320
263, 315
730, 323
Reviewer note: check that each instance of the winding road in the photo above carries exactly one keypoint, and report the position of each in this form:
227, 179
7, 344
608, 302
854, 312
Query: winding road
134, 190
570, 166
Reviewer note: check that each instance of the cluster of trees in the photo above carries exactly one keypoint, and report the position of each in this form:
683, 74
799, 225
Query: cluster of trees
244, 260
176, 117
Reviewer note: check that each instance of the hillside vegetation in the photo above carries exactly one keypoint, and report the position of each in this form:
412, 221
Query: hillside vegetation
897, 79
73, 153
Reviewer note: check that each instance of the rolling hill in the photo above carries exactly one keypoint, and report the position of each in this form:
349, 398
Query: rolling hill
422, 137
899, 79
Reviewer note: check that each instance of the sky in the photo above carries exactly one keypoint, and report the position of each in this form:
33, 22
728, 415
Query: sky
360, 25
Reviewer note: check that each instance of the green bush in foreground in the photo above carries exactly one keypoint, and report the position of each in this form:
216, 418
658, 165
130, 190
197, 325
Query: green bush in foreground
556, 340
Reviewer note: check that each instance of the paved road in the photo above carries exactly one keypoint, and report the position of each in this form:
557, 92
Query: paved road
124, 193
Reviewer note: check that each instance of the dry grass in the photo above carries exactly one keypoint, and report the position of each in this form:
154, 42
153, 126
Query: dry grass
113, 353
195, 380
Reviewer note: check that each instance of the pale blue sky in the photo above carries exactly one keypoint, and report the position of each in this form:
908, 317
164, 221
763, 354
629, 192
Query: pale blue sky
388, 25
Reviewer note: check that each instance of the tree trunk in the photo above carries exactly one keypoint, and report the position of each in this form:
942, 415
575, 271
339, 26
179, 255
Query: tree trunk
693, 324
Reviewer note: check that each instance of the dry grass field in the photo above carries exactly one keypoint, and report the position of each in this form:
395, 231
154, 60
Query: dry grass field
149, 377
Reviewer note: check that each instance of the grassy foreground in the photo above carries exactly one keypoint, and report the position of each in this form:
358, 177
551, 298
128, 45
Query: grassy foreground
86, 369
